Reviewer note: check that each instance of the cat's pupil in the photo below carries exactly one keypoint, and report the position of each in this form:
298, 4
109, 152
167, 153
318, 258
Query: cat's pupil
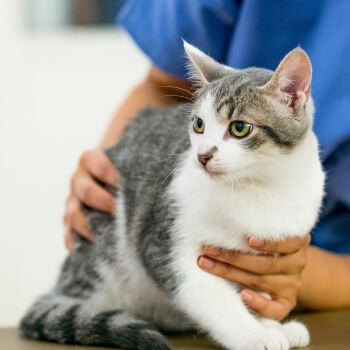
239, 126
199, 123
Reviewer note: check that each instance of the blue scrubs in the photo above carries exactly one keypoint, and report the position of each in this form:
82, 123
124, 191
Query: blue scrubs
244, 33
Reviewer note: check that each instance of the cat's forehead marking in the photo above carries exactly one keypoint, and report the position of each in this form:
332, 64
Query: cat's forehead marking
232, 92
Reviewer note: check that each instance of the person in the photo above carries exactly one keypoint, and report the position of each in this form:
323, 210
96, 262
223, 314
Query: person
242, 34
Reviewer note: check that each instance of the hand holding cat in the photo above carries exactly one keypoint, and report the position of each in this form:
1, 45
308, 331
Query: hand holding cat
93, 166
280, 275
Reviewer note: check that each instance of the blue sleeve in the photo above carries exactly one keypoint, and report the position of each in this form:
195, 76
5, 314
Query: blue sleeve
333, 229
158, 26
337, 166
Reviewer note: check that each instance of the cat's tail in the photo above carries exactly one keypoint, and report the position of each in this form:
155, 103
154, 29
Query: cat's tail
66, 320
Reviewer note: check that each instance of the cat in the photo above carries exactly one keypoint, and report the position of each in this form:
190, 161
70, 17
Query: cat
240, 160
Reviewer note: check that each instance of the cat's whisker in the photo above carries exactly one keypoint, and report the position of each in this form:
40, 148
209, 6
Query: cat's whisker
171, 156
237, 180
170, 173
253, 185
175, 154
240, 181
176, 87
168, 158
184, 97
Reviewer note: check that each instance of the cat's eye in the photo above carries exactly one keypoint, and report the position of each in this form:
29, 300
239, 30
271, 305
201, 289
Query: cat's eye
198, 125
239, 128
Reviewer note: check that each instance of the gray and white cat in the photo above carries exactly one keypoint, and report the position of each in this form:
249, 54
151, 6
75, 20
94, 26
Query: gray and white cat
247, 163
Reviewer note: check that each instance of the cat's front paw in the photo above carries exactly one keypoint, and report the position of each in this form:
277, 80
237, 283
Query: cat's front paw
297, 334
270, 339
274, 339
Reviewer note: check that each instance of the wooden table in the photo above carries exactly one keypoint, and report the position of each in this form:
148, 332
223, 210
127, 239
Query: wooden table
329, 331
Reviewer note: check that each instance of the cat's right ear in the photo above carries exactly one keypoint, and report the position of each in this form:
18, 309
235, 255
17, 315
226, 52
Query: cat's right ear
291, 81
202, 68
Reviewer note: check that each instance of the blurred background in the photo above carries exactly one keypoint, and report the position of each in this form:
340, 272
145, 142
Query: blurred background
65, 66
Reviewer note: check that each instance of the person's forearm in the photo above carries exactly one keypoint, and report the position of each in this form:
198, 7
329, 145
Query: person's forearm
154, 91
325, 280
142, 96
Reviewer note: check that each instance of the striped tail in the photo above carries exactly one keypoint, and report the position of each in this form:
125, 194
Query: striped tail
69, 321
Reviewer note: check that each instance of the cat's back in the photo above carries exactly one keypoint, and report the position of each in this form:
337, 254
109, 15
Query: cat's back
152, 144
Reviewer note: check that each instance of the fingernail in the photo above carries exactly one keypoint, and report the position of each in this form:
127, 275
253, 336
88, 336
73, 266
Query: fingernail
246, 296
210, 250
256, 242
205, 262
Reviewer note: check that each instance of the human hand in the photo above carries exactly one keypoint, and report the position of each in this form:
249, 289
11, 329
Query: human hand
277, 274
85, 190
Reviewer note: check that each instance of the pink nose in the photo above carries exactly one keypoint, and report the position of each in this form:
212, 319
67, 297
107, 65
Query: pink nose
204, 157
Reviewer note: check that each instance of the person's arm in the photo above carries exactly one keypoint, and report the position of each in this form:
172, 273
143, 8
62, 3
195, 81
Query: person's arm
158, 89
302, 274
325, 280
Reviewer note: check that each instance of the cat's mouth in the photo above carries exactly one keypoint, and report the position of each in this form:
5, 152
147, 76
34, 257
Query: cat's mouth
211, 172
208, 169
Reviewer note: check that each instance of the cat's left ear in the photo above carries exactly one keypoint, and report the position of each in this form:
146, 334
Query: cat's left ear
204, 69
291, 81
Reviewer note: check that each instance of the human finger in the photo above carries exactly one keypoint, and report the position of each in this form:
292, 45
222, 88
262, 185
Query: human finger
289, 245
274, 284
76, 220
69, 240
93, 195
276, 309
98, 164
258, 264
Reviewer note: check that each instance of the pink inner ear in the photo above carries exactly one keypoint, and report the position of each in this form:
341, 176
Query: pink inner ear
292, 79
295, 75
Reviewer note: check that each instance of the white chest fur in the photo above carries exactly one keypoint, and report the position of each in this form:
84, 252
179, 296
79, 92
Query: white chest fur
284, 203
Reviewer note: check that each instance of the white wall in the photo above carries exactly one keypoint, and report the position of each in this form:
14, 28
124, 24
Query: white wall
57, 92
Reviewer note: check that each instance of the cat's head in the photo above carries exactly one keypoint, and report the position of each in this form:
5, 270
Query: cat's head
244, 119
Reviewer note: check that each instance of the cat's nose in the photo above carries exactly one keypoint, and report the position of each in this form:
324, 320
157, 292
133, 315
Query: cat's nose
204, 157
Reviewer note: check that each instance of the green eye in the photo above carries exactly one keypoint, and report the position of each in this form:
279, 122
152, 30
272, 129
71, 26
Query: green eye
240, 129
198, 125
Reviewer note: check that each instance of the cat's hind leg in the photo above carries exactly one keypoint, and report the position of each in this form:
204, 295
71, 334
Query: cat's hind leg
73, 321
78, 311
